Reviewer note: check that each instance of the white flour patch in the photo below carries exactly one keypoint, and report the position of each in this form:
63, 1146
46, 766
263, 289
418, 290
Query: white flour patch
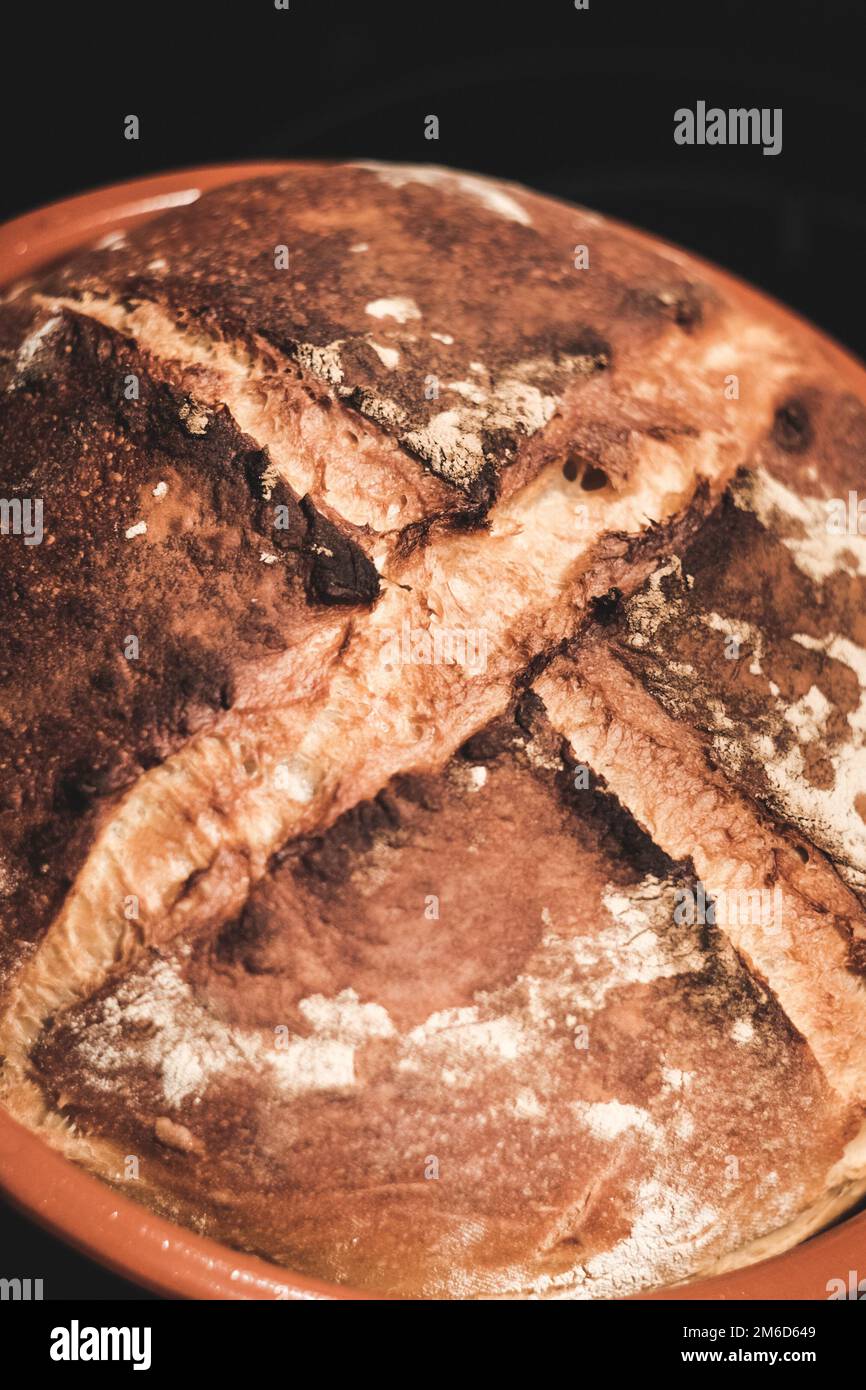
323, 362
743, 633
675, 1079
345, 1017
187, 1047
388, 356
495, 197
743, 1031
816, 551
451, 440
669, 1229
809, 715
527, 1106
400, 308
609, 1119
461, 1032
829, 814
31, 347
651, 606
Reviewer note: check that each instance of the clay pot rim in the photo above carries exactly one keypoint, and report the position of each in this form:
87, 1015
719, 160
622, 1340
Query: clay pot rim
87, 1213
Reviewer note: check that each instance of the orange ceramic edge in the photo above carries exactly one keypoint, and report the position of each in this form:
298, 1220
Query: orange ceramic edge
121, 1233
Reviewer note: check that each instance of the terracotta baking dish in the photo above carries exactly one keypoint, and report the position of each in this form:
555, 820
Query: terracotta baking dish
90, 1215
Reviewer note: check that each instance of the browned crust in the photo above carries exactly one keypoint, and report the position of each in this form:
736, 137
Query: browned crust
587, 438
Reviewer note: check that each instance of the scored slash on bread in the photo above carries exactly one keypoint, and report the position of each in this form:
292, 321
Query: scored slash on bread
551, 1145
578, 487
658, 770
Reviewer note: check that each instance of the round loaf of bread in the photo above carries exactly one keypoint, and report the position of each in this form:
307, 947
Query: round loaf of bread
433, 738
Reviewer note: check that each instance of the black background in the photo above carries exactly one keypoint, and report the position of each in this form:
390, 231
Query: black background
578, 104
575, 103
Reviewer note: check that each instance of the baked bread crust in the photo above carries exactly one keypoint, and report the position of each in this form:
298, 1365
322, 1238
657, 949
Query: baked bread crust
367, 949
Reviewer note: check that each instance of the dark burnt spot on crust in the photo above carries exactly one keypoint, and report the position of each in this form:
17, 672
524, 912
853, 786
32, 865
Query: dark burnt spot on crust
563, 345
418, 533
502, 444
591, 344
615, 826
77, 787
663, 433
197, 678
530, 715
680, 301
469, 513
606, 606
255, 464
857, 955
792, 427
336, 569
419, 788
489, 743
326, 858
725, 988
339, 571
280, 516
480, 497
593, 478
242, 941
571, 468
